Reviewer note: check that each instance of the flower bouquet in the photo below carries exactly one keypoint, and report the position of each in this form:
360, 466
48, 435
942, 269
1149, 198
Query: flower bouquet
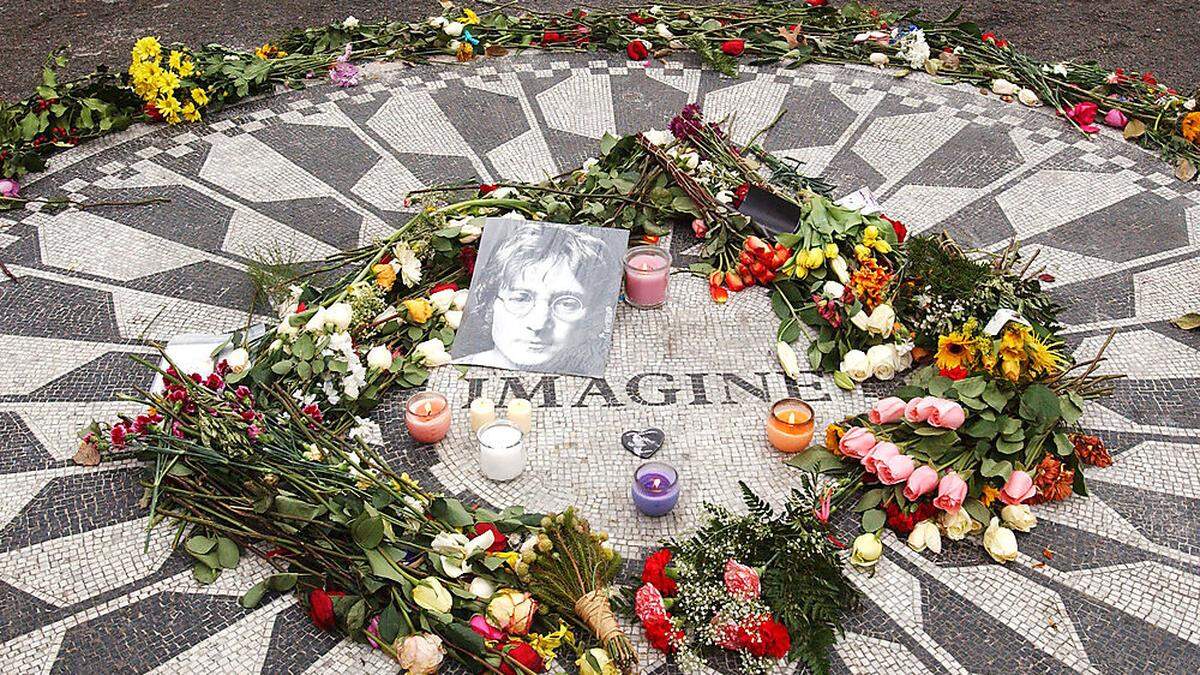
761, 588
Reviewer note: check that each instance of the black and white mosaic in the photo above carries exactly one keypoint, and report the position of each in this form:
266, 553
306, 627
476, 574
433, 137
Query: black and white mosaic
304, 174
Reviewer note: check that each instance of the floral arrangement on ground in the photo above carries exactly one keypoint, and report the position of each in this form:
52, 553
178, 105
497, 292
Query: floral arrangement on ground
180, 84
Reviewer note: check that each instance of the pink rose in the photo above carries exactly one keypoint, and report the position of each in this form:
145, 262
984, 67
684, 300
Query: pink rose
489, 632
1116, 119
9, 187
918, 409
946, 415
880, 453
952, 490
1018, 488
921, 481
895, 469
741, 581
699, 228
1084, 114
887, 410
857, 443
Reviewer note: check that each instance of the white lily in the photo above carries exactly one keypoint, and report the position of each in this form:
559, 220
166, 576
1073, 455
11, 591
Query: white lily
788, 359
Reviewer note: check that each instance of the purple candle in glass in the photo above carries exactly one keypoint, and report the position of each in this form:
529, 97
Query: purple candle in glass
655, 488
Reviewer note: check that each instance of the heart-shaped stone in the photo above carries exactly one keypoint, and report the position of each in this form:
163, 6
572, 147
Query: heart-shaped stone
643, 443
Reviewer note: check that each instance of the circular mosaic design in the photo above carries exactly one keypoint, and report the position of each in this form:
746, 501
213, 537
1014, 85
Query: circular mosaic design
1104, 584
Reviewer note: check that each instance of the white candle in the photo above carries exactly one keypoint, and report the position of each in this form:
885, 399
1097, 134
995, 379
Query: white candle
483, 411
501, 450
520, 413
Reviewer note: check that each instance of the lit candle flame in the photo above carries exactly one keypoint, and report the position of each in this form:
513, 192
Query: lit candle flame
791, 418
428, 409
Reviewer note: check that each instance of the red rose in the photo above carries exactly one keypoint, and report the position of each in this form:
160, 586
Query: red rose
662, 634
487, 188
655, 572
448, 286
501, 541
550, 37
899, 228
639, 19
637, 50
466, 257
1149, 78
816, 3
991, 38
955, 374
523, 654
739, 195
320, 608
903, 523
733, 47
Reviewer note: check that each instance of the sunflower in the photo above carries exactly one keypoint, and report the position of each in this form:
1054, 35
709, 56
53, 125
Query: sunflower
955, 350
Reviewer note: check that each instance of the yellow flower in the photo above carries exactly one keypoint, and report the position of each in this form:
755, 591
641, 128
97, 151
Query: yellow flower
470, 17
200, 96
465, 52
419, 310
186, 68
989, 495
147, 49
168, 105
269, 51
545, 645
814, 258
881, 245
955, 350
385, 276
510, 558
870, 233
1041, 358
861, 252
175, 59
831, 251
190, 113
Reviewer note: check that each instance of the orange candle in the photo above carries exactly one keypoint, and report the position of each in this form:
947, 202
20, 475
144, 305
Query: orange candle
427, 417
790, 425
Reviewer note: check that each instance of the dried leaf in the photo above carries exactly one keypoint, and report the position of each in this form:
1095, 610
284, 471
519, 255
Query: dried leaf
495, 50
1185, 170
1189, 321
903, 72
1134, 128
792, 36
88, 454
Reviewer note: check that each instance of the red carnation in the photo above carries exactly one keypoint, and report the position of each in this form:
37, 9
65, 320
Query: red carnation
991, 38
733, 47
500, 542
320, 608
523, 654
903, 523
448, 286
550, 37
662, 634
637, 50
487, 188
955, 374
816, 3
655, 572
775, 639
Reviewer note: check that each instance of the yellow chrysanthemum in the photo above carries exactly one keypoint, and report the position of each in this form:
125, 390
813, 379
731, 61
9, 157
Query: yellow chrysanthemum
175, 59
168, 105
190, 113
955, 350
385, 276
200, 97
468, 18
1041, 358
147, 49
186, 68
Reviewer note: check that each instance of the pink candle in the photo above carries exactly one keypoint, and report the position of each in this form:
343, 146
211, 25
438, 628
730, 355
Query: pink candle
427, 416
647, 271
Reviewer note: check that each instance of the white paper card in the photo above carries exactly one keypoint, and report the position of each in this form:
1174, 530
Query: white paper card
1001, 318
861, 200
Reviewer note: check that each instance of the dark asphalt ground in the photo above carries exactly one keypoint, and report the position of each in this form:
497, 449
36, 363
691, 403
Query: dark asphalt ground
1162, 36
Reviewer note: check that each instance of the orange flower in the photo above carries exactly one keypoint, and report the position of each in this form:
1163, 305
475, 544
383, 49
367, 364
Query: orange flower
833, 436
988, 495
385, 276
1091, 450
1191, 127
869, 283
1053, 481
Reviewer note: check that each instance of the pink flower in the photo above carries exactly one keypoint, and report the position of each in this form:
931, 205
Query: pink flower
857, 443
878, 454
117, 436
480, 625
647, 604
9, 187
343, 73
1019, 488
699, 228
1116, 119
946, 415
921, 481
918, 409
888, 410
253, 432
1084, 114
741, 581
372, 631
895, 469
821, 512
952, 490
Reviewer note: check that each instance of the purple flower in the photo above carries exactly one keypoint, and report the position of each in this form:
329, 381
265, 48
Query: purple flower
372, 630
9, 187
343, 73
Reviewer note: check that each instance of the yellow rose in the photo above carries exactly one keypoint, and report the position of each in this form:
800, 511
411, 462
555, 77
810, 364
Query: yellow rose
866, 550
385, 276
432, 595
419, 310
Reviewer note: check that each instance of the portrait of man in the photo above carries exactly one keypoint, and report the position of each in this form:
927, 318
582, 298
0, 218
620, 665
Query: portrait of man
543, 297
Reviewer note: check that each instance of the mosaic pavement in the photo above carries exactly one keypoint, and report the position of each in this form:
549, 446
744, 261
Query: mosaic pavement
306, 173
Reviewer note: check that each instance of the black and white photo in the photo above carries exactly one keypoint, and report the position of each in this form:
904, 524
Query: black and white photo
543, 297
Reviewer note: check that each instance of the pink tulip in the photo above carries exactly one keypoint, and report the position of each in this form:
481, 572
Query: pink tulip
952, 490
895, 469
918, 409
946, 415
887, 410
857, 443
1018, 488
699, 228
880, 453
1116, 119
921, 481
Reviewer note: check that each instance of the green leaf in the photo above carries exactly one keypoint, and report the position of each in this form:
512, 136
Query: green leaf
1189, 321
283, 367
843, 381
205, 574
607, 143
816, 459
971, 387
870, 499
451, 512
994, 397
873, 520
356, 617
1040, 404
367, 531
290, 506
977, 511
1071, 412
381, 567
284, 581
389, 624
253, 596
1079, 485
1063, 445
939, 385
227, 553
982, 428
990, 468
199, 544
303, 370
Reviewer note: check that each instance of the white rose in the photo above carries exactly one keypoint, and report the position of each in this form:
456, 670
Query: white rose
339, 315
663, 32
833, 289
438, 21
904, 355
433, 353
856, 365
442, 300
285, 327
879, 59
350, 23
453, 28
1003, 87
1190, 104
453, 318
1027, 97
1018, 517
658, 137
788, 359
860, 320
460, 299
1000, 542
958, 524
925, 535
316, 322
725, 196
238, 359
881, 359
469, 232
840, 268
690, 160
882, 321
379, 358
482, 588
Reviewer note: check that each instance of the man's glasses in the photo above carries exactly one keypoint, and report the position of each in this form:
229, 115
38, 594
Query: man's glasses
565, 307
